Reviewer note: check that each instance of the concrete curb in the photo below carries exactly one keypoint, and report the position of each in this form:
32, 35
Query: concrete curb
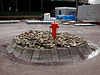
69, 54
11, 21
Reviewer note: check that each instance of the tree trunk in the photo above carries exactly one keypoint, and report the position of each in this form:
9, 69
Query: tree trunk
76, 10
29, 5
41, 6
1, 7
16, 6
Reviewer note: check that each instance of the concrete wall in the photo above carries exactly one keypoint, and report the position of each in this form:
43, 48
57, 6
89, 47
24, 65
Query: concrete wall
89, 12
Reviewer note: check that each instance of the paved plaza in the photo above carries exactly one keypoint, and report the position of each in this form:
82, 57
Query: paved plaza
10, 65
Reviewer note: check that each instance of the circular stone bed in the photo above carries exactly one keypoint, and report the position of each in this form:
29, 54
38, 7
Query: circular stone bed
40, 47
44, 40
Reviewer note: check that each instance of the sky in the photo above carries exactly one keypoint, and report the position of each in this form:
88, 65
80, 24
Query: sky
91, 1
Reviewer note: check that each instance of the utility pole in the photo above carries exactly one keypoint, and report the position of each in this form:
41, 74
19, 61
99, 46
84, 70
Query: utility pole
76, 10
16, 6
29, 5
1, 7
41, 6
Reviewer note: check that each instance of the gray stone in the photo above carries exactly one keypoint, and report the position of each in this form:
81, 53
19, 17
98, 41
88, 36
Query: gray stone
74, 54
88, 48
35, 56
11, 48
64, 55
45, 56
10, 45
93, 48
55, 57
26, 55
84, 49
17, 51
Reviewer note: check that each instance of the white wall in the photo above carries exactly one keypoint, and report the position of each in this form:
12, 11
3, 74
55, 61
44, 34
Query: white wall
64, 10
89, 12
91, 1
94, 1
97, 1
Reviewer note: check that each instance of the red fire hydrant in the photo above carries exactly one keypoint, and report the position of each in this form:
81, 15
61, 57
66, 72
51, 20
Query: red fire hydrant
54, 26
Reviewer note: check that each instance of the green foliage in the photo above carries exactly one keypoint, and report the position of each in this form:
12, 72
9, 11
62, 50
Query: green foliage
20, 13
18, 16
12, 18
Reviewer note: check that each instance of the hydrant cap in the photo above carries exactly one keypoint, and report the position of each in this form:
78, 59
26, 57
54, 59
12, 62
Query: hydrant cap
54, 23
